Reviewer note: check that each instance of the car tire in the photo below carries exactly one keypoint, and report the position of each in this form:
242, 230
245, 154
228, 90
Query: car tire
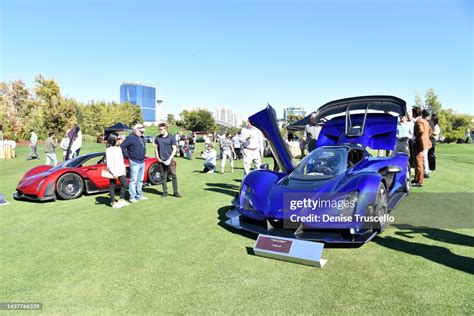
381, 208
154, 174
69, 186
407, 187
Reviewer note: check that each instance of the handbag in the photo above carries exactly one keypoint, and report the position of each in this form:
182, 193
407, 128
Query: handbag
105, 173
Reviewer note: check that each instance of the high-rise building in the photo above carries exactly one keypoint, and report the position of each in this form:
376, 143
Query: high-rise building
226, 115
294, 111
142, 95
236, 119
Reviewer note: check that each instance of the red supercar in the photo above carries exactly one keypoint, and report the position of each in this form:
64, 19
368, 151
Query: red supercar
73, 178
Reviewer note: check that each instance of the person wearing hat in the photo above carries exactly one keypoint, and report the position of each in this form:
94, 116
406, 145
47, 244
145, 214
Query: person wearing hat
134, 149
165, 150
311, 132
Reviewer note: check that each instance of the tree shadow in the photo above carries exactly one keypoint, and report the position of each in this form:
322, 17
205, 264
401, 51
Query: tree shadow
436, 234
224, 188
433, 253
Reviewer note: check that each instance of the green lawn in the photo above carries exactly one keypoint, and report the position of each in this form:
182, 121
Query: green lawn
172, 255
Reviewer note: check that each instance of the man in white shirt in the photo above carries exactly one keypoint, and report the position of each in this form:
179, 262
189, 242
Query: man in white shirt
311, 132
75, 142
33, 146
211, 156
252, 139
237, 145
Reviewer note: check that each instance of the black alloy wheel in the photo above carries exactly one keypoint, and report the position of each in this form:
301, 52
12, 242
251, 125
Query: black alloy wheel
69, 186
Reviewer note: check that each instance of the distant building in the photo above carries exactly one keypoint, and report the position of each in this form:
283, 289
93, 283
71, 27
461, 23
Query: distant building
293, 110
226, 115
142, 95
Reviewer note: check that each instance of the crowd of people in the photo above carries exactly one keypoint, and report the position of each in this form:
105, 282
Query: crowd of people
417, 135
71, 145
248, 146
133, 148
420, 131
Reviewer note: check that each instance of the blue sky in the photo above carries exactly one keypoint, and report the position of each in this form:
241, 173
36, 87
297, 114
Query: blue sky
243, 54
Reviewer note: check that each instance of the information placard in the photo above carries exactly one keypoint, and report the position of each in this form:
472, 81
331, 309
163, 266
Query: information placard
287, 249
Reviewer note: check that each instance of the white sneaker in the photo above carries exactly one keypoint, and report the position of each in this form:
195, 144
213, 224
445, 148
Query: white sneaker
117, 205
133, 200
143, 198
123, 203
211, 171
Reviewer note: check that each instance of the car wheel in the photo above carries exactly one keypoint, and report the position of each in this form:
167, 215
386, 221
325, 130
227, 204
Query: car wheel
381, 208
407, 186
69, 186
154, 174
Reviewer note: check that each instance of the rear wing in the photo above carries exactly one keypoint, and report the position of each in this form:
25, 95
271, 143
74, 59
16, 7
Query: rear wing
381, 103
368, 121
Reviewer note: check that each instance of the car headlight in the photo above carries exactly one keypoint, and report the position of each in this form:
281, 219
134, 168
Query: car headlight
349, 204
245, 200
40, 184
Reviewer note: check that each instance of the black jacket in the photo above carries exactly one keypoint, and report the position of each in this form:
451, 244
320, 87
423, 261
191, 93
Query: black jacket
134, 148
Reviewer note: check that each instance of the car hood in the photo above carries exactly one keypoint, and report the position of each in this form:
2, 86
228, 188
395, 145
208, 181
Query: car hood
288, 189
32, 179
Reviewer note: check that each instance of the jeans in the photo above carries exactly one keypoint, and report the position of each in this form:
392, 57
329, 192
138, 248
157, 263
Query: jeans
208, 167
137, 171
51, 157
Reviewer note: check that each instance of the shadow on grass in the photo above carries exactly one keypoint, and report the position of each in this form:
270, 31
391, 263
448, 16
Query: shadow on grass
224, 188
436, 254
436, 234
152, 191
33, 201
222, 218
104, 200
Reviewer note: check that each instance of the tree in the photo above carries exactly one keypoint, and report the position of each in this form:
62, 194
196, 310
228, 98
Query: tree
14, 106
453, 125
98, 115
59, 113
197, 120
418, 100
432, 102
292, 118
171, 120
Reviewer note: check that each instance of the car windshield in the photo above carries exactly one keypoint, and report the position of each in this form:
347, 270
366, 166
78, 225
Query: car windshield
79, 161
321, 163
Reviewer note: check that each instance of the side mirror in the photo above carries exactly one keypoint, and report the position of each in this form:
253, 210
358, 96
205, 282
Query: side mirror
264, 166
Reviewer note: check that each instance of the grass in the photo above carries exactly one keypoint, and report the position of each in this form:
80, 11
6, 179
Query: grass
172, 255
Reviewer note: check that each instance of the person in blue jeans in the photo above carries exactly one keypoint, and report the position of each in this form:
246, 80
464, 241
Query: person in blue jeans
134, 149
